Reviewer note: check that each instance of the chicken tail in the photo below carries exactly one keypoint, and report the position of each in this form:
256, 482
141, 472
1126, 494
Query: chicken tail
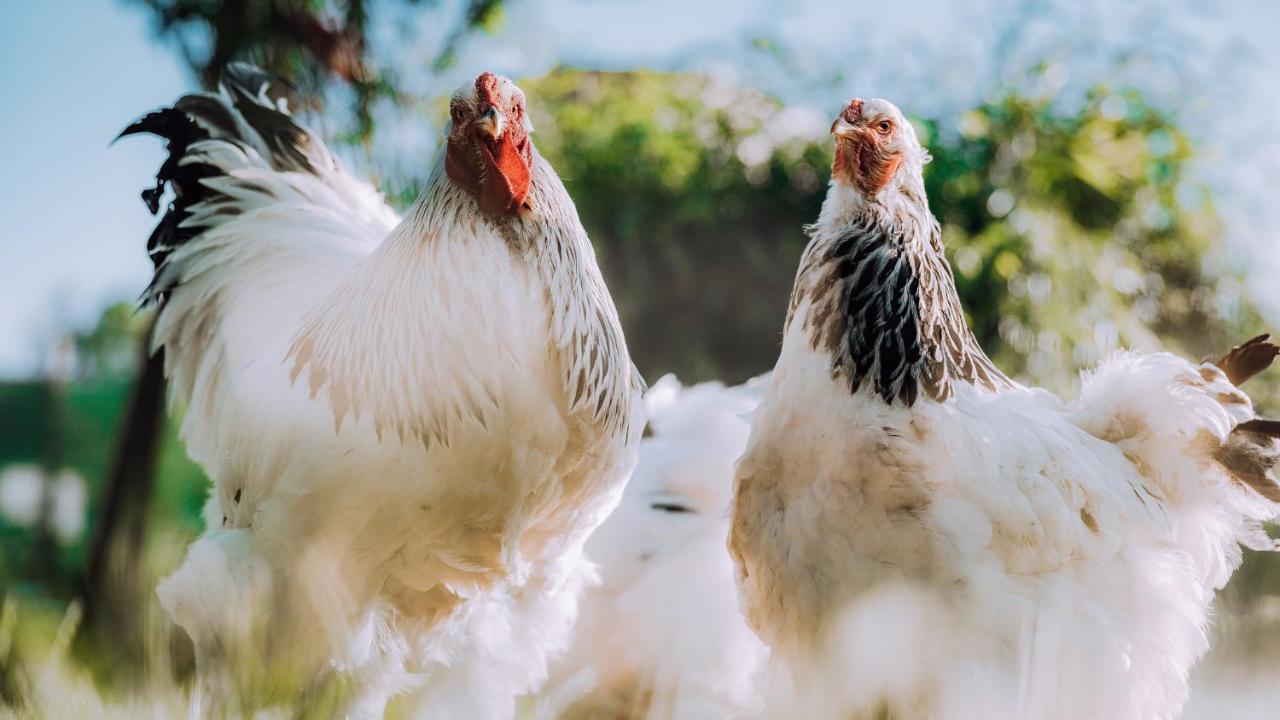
1250, 456
247, 123
1248, 359
1251, 452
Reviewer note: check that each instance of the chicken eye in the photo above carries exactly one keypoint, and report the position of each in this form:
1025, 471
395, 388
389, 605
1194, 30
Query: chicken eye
884, 126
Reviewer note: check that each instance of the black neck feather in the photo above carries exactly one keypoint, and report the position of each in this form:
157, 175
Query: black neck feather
884, 307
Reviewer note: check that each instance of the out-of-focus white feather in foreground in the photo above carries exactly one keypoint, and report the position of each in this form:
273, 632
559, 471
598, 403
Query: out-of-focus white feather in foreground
661, 637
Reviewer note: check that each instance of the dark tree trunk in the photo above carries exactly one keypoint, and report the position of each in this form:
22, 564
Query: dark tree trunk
45, 549
115, 591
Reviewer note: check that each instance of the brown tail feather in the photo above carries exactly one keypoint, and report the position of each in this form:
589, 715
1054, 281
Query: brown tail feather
1250, 456
1270, 428
1251, 452
1248, 359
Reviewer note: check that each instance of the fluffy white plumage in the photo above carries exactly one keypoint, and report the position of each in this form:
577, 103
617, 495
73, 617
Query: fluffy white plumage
919, 537
661, 637
413, 424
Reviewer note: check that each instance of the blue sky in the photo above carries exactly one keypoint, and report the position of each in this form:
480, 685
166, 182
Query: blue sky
72, 228
74, 72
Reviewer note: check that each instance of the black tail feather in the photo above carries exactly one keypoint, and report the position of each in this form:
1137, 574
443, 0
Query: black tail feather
251, 112
180, 131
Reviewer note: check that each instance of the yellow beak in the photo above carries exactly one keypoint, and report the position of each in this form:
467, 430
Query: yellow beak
491, 123
843, 128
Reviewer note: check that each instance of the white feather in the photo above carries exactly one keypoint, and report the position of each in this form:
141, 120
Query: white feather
661, 637
387, 409
995, 598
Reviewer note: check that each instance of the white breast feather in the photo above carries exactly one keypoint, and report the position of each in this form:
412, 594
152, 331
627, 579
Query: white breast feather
1077, 546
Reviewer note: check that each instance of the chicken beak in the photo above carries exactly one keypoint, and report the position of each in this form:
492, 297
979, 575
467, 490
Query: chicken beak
491, 123
843, 128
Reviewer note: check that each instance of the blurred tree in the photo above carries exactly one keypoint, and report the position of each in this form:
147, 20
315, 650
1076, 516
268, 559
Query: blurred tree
115, 586
310, 42
1073, 235
110, 348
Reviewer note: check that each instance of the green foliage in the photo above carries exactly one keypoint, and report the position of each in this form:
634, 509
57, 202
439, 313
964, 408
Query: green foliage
314, 43
1076, 234
22, 421
111, 348
483, 15
85, 418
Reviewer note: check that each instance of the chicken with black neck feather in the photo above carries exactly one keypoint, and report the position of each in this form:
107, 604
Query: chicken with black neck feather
917, 535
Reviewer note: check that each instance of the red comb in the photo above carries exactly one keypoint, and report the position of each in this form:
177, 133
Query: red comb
853, 112
487, 88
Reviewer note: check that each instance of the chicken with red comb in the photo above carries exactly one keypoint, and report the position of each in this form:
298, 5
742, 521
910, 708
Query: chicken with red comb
488, 151
917, 535
412, 423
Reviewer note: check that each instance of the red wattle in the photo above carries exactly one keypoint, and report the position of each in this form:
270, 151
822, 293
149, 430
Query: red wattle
506, 179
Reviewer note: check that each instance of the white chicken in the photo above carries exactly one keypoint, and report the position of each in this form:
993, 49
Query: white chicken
661, 637
918, 536
413, 424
